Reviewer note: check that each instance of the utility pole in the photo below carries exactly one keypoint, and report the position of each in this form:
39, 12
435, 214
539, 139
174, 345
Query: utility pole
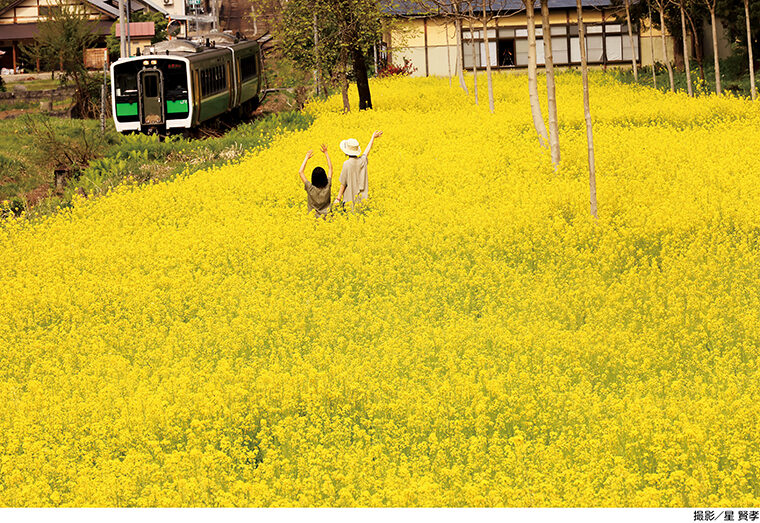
129, 20
122, 32
103, 94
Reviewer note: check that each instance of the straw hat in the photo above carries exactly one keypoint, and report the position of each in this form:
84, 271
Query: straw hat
351, 147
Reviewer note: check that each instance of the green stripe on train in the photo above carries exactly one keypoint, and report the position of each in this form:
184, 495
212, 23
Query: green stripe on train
123, 109
176, 106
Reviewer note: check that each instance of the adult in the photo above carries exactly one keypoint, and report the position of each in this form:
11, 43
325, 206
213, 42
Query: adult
354, 187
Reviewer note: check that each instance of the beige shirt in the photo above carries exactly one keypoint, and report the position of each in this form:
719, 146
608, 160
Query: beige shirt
318, 198
354, 177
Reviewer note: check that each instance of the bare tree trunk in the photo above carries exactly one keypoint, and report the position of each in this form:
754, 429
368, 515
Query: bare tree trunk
753, 89
697, 46
535, 106
651, 46
587, 112
630, 40
316, 56
686, 64
661, 5
343, 79
718, 88
488, 60
551, 95
448, 52
460, 65
474, 59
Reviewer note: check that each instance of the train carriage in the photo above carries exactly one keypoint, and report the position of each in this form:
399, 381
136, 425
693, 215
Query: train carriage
182, 83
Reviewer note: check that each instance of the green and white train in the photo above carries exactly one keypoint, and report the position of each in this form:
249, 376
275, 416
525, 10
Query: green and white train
180, 83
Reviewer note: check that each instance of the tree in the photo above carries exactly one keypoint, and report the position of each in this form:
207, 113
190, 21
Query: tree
630, 40
451, 10
661, 8
710, 4
61, 40
535, 107
346, 30
753, 89
686, 64
550, 85
651, 45
587, 112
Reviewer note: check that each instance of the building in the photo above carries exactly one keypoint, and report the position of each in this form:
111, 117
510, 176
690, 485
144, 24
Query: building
19, 22
429, 40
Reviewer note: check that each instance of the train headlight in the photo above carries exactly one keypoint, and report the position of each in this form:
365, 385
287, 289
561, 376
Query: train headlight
153, 62
145, 62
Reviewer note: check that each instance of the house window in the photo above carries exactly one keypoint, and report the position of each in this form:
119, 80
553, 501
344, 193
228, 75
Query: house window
49, 10
605, 43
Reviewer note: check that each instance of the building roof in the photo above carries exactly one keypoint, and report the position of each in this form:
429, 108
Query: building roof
412, 8
105, 7
138, 29
29, 31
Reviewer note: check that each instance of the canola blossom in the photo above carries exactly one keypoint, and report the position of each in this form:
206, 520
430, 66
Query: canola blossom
471, 337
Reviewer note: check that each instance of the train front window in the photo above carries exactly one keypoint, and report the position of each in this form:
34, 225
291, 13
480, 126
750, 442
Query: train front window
126, 84
175, 89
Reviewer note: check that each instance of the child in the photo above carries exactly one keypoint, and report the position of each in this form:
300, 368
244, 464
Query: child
318, 190
353, 176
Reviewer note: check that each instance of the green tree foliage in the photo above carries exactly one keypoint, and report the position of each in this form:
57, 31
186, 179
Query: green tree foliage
334, 38
60, 43
160, 21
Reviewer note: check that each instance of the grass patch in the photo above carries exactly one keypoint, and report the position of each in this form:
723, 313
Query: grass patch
26, 162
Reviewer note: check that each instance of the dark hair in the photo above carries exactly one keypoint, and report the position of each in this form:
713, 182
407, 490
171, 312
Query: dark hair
319, 177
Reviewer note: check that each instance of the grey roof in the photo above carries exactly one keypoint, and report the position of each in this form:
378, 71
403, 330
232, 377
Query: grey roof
423, 8
103, 6
154, 6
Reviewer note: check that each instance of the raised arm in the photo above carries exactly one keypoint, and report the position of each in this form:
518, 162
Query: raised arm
303, 166
329, 162
376, 134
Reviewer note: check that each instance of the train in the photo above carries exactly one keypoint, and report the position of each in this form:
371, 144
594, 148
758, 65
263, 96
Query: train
176, 85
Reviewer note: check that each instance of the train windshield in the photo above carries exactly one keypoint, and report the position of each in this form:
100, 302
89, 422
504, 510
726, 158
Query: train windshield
173, 90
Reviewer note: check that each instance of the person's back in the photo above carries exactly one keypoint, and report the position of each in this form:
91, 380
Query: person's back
318, 198
354, 177
354, 183
319, 189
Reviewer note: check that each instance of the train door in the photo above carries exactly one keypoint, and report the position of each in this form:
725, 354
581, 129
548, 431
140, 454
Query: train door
151, 97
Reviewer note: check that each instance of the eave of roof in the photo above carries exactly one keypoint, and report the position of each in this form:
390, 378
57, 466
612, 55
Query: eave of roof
412, 8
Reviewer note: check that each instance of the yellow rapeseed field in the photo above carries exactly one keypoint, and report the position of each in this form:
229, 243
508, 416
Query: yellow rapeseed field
471, 338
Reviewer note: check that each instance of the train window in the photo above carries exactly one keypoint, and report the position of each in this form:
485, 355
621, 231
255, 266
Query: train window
213, 80
150, 85
248, 67
126, 84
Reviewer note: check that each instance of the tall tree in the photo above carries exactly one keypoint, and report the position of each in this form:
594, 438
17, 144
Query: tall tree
551, 95
650, 22
61, 40
475, 57
535, 106
686, 64
753, 89
486, 17
587, 113
451, 9
661, 8
710, 4
630, 39
347, 29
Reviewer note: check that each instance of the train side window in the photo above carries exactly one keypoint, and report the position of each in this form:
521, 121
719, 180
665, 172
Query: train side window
248, 67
